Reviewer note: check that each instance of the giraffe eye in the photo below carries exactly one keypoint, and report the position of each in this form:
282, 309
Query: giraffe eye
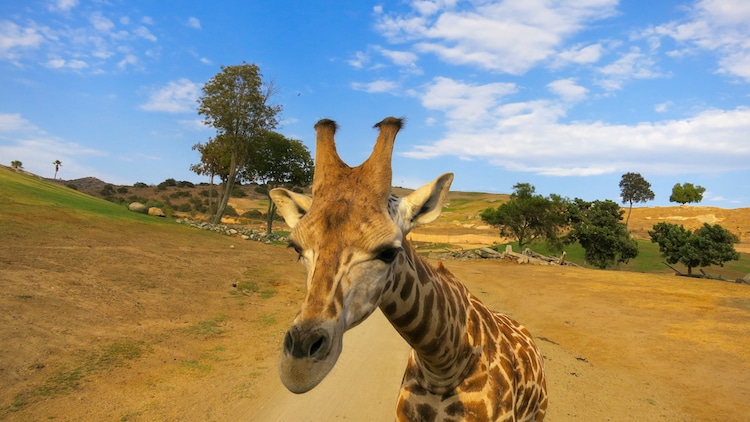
388, 255
296, 249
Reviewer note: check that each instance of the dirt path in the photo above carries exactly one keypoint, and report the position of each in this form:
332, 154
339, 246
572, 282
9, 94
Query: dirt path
365, 381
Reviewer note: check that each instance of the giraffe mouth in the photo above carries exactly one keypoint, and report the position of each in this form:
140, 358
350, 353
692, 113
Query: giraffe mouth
309, 353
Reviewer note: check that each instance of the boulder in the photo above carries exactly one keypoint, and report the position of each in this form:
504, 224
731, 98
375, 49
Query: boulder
137, 207
156, 211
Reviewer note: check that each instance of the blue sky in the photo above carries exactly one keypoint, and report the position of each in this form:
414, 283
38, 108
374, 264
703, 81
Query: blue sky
565, 95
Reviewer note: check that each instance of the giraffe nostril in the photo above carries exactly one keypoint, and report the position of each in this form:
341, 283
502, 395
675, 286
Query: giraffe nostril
307, 343
288, 342
316, 346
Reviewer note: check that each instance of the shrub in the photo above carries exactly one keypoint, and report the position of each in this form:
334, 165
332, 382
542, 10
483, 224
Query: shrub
140, 185
263, 190
122, 189
186, 207
238, 193
198, 205
180, 194
72, 186
140, 199
205, 192
107, 190
154, 203
165, 184
185, 184
230, 211
252, 214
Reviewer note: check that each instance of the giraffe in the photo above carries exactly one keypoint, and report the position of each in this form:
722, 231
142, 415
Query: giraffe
467, 363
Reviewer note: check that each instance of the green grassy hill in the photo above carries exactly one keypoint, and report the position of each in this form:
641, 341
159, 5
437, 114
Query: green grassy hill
92, 292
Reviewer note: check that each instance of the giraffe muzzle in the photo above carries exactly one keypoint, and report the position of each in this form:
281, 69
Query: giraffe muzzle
310, 350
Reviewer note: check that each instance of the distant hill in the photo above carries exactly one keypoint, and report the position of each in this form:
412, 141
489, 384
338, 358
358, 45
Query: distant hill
89, 185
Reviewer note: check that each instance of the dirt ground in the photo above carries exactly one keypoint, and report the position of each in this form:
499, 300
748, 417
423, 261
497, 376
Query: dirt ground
116, 321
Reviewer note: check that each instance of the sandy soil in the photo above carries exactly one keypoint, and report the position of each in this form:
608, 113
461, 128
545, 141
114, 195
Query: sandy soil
150, 328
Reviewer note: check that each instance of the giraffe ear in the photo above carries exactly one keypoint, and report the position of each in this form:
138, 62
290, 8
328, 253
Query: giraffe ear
292, 206
425, 204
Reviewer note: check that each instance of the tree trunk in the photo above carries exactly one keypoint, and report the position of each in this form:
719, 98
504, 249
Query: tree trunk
211, 195
629, 211
221, 206
270, 213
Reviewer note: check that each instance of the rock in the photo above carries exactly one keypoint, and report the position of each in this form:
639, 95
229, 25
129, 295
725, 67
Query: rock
488, 253
137, 207
156, 212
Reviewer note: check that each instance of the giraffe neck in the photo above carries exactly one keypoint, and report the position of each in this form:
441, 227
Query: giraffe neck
428, 308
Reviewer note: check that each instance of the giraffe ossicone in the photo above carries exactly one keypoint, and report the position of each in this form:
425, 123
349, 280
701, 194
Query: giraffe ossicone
467, 362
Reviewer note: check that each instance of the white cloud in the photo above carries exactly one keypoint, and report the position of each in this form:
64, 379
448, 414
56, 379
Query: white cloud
632, 65
66, 64
13, 122
21, 140
14, 38
194, 124
580, 55
462, 102
531, 137
194, 22
379, 86
359, 60
568, 90
144, 33
62, 5
663, 107
128, 60
100, 23
177, 97
506, 36
400, 58
720, 27
206, 61
95, 42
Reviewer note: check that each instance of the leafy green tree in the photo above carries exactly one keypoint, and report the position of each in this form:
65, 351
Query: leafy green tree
598, 228
528, 216
57, 164
278, 161
235, 102
16, 164
708, 245
686, 193
634, 188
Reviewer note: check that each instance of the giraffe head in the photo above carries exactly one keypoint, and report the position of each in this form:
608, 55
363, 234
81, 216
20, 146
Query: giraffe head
349, 236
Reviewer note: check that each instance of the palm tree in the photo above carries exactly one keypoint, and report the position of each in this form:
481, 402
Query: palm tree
57, 164
16, 164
